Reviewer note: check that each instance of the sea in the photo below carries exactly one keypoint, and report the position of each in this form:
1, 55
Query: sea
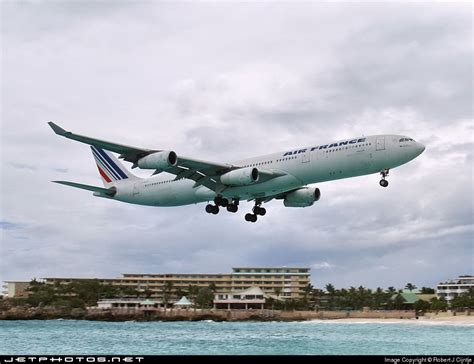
71, 337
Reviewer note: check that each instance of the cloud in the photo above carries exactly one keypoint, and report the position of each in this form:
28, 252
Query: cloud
322, 265
223, 82
5, 225
23, 166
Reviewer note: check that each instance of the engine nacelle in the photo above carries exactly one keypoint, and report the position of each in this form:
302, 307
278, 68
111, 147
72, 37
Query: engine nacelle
303, 197
241, 177
159, 160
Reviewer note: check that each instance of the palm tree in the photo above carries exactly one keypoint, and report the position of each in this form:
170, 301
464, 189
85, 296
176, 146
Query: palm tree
330, 288
193, 291
410, 287
307, 290
213, 287
378, 297
316, 297
352, 297
331, 293
167, 288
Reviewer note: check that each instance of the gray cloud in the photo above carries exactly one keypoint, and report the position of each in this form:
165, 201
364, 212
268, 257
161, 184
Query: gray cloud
224, 82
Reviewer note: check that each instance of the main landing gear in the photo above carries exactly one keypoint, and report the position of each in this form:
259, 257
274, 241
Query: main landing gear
257, 210
234, 206
223, 202
383, 182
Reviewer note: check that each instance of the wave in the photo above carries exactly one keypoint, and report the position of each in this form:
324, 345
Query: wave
429, 322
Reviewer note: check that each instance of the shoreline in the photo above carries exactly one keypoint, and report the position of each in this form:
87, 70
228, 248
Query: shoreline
367, 316
463, 320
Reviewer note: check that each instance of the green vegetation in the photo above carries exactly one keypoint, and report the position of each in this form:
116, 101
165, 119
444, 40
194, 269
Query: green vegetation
204, 298
361, 297
167, 292
421, 305
438, 304
427, 290
465, 300
82, 293
410, 287
77, 294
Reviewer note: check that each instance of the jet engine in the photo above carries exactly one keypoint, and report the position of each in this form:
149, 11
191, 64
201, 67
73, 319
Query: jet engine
303, 197
159, 160
241, 177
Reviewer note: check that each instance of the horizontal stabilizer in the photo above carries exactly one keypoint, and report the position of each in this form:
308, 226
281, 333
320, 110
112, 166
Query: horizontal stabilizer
110, 192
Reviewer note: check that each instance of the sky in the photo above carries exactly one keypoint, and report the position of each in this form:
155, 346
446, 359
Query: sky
222, 81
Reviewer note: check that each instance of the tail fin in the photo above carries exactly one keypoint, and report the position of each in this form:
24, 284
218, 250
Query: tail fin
110, 168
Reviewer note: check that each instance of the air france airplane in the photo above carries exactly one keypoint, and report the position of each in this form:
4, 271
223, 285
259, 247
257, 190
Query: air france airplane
283, 176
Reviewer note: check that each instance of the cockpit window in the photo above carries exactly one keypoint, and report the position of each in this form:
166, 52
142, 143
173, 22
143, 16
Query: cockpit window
406, 140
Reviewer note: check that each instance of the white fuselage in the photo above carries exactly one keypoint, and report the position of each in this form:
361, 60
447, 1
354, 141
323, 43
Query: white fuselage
318, 163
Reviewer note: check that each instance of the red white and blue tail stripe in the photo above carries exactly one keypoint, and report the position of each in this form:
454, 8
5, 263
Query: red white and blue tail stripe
110, 169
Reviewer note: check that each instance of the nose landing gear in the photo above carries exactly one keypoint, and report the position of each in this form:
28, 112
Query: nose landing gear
383, 182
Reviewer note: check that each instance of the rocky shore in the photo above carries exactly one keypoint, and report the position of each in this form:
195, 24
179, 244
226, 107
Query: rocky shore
52, 313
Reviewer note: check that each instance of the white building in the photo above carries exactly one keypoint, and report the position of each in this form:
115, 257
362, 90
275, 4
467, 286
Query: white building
253, 298
13, 289
126, 303
453, 288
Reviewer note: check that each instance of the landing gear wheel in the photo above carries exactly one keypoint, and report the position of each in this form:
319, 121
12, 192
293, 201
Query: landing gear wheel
215, 209
384, 173
220, 201
250, 217
209, 208
232, 208
257, 210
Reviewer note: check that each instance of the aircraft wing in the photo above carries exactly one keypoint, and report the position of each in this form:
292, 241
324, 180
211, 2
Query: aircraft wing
202, 172
130, 154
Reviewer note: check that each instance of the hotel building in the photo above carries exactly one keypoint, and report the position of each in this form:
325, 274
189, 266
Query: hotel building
284, 282
15, 289
453, 288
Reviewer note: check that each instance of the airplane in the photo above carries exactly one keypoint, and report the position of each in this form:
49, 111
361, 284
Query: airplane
281, 176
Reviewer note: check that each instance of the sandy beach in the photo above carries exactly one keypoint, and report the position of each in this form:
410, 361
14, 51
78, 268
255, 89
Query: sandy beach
435, 320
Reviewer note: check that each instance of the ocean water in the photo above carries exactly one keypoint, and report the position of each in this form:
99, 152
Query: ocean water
208, 337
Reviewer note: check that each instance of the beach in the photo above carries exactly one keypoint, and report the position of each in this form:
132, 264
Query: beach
437, 320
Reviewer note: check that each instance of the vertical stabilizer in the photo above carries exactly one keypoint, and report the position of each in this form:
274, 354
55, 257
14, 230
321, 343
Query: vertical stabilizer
110, 168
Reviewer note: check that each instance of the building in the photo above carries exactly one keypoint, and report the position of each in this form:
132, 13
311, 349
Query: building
126, 304
410, 297
252, 298
13, 289
453, 288
284, 282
